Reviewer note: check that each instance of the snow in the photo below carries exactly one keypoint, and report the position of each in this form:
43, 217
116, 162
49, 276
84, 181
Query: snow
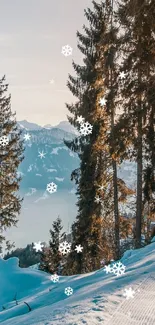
55, 150
97, 297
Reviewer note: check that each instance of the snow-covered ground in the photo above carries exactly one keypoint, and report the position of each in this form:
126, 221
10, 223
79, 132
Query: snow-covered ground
97, 297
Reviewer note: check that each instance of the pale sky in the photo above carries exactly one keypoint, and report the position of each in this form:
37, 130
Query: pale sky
32, 33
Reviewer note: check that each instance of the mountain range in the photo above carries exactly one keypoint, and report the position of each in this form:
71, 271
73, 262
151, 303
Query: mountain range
47, 158
63, 125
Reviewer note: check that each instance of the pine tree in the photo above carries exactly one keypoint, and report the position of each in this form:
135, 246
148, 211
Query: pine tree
51, 258
11, 150
137, 46
99, 160
94, 173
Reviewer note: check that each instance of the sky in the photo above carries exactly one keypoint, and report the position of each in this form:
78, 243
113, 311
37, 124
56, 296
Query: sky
32, 33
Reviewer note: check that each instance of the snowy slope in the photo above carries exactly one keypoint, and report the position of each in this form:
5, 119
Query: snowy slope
97, 297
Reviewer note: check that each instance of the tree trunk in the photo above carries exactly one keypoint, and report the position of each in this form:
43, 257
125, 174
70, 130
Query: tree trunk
115, 185
114, 166
139, 171
139, 188
116, 212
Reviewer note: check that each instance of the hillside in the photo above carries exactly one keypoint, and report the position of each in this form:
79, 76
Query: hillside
98, 298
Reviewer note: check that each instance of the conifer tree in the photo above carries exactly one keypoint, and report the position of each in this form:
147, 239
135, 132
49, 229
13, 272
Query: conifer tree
11, 155
51, 257
97, 226
94, 173
138, 64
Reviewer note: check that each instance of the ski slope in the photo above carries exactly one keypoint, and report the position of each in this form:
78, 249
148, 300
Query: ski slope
97, 297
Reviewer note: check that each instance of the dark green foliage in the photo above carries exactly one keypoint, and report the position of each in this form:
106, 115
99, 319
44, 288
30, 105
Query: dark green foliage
27, 256
11, 155
137, 45
51, 258
92, 224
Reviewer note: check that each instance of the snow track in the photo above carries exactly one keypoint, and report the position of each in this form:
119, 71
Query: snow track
140, 310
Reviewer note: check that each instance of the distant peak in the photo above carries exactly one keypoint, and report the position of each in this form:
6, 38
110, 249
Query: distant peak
47, 126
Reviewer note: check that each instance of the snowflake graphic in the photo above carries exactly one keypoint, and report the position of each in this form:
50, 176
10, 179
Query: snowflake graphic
98, 199
102, 101
4, 140
78, 248
129, 293
108, 269
122, 75
65, 247
38, 246
101, 187
68, 291
80, 119
51, 187
41, 154
66, 50
118, 268
55, 278
51, 81
27, 136
85, 128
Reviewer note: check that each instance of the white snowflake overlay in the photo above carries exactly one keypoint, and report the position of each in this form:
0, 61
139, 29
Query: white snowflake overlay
55, 278
80, 119
122, 75
51, 187
85, 128
117, 268
41, 154
129, 293
66, 50
78, 248
98, 199
51, 81
103, 101
68, 291
4, 140
108, 269
65, 247
38, 246
27, 136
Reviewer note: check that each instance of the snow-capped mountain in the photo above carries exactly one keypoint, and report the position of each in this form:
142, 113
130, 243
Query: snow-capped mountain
47, 159
66, 126
28, 125
63, 125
